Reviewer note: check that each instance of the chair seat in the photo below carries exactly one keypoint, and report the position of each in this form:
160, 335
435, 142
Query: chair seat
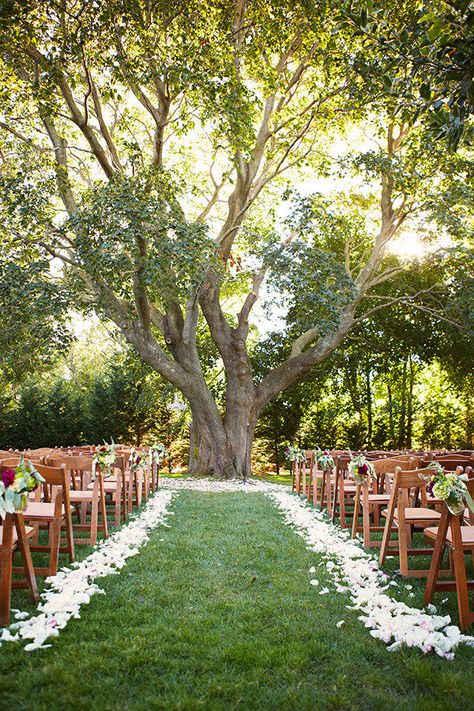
467, 534
40, 510
416, 515
28, 529
109, 486
377, 499
78, 496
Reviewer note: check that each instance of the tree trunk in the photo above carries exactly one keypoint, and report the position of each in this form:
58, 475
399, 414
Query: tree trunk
402, 425
409, 429
227, 459
275, 449
391, 423
369, 406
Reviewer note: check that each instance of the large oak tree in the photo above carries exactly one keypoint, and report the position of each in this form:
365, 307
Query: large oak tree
149, 151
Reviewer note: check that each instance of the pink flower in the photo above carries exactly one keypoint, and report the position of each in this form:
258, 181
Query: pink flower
8, 477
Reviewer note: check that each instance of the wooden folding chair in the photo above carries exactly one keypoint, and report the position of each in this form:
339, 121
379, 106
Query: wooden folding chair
155, 474
402, 517
138, 480
79, 469
53, 513
459, 540
344, 489
14, 537
369, 499
299, 473
116, 487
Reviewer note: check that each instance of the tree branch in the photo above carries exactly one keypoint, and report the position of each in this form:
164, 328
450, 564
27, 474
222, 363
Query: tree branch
76, 115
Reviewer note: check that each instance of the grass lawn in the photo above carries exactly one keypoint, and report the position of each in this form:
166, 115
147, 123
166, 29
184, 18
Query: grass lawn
217, 613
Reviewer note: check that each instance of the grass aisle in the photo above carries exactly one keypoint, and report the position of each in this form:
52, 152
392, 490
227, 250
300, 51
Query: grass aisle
217, 613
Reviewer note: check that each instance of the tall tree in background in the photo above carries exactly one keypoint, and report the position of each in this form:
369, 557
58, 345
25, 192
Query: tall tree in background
171, 133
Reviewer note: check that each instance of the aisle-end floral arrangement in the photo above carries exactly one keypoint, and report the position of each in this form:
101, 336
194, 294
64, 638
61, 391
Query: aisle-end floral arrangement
157, 452
324, 459
135, 462
360, 469
295, 454
104, 458
15, 485
449, 487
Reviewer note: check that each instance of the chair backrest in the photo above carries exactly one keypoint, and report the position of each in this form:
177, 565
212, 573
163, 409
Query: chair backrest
415, 477
71, 463
13, 461
450, 464
120, 463
452, 457
54, 476
40, 452
341, 463
388, 466
411, 458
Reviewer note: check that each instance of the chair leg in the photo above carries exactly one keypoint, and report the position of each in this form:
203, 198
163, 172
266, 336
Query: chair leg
366, 517
6, 553
342, 502
94, 520
54, 540
26, 557
103, 510
436, 559
387, 531
130, 492
376, 510
124, 498
118, 500
356, 511
329, 493
465, 615
403, 545
139, 487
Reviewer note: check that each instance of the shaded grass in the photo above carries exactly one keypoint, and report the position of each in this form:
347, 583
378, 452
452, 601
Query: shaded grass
217, 613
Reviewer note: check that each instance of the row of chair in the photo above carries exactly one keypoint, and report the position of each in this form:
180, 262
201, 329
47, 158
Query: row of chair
393, 500
72, 501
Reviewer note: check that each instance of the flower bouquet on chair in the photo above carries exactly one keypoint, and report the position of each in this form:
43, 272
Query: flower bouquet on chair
135, 462
295, 454
104, 458
15, 485
449, 487
324, 460
360, 468
157, 453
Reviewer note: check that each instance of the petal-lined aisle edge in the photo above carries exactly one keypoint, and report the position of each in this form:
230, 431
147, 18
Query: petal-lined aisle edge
355, 571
